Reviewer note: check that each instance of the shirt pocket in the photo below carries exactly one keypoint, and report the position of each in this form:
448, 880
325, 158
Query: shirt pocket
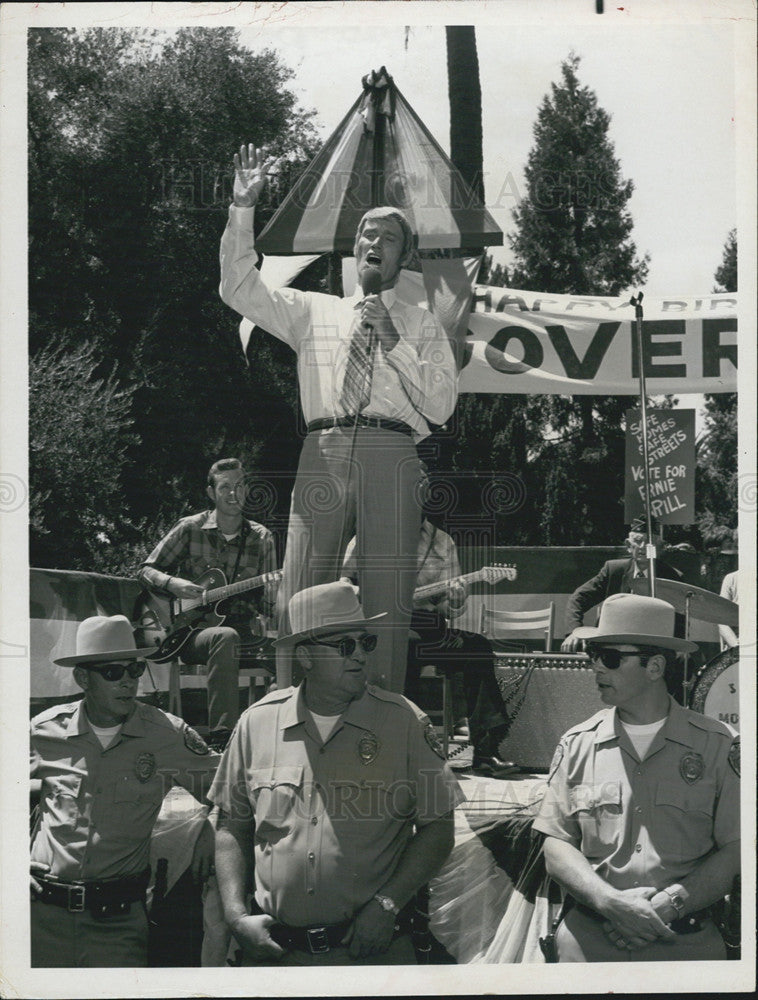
598, 812
276, 794
367, 802
687, 812
61, 795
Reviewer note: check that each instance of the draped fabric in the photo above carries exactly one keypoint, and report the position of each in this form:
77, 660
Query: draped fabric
380, 154
492, 900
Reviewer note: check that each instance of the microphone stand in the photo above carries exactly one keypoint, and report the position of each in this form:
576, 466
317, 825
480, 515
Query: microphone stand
650, 552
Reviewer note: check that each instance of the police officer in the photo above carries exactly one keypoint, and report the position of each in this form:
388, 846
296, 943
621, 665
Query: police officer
642, 808
101, 767
337, 795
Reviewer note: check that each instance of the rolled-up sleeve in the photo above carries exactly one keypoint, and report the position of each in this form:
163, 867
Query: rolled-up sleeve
156, 571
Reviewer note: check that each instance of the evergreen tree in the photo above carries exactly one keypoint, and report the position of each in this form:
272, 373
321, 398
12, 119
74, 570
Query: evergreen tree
573, 236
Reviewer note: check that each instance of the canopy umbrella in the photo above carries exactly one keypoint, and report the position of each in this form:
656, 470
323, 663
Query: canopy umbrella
380, 154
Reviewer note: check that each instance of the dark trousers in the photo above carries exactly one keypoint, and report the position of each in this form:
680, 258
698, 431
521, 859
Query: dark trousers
469, 653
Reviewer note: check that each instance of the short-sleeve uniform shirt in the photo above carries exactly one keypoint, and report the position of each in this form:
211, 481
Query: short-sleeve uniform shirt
98, 806
331, 818
649, 822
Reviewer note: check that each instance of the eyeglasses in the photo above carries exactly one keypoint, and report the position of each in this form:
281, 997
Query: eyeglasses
346, 645
611, 658
115, 671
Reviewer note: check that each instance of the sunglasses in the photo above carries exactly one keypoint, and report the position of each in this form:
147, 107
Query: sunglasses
346, 645
611, 658
115, 671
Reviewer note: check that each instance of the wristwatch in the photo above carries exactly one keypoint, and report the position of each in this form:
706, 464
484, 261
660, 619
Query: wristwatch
676, 899
387, 903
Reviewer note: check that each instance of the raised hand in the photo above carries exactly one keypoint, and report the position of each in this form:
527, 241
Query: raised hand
251, 168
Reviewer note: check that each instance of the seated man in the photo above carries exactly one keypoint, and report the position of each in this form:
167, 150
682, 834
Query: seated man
101, 767
333, 800
616, 576
469, 654
641, 813
220, 538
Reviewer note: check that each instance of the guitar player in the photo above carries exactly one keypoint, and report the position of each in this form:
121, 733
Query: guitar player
219, 538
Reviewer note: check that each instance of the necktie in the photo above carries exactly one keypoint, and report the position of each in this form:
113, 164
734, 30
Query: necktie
356, 385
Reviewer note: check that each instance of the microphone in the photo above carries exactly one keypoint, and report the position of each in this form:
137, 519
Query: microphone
371, 284
371, 281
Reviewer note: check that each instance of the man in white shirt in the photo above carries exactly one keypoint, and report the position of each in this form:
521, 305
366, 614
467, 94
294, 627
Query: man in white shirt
374, 372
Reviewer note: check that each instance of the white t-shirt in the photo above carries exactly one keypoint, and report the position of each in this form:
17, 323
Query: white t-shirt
325, 724
106, 734
643, 736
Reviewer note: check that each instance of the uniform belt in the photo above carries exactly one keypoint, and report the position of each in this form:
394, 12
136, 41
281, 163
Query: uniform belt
316, 940
381, 423
104, 898
319, 940
690, 924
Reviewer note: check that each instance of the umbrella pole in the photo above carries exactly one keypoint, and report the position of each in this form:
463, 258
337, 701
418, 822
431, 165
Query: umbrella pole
636, 301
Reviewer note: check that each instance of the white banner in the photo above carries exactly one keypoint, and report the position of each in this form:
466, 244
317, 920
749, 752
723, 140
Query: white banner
533, 342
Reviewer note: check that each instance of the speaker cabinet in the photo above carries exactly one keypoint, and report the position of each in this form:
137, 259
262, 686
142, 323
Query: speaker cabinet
548, 695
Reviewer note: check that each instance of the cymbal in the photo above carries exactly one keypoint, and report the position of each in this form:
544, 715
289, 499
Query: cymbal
704, 604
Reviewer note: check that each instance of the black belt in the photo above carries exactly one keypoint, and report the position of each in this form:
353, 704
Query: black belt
319, 940
380, 423
690, 924
110, 897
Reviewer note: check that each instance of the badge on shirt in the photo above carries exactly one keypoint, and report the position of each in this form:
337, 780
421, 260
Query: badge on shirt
734, 757
194, 742
692, 767
368, 748
433, 740
555, 763
144, 766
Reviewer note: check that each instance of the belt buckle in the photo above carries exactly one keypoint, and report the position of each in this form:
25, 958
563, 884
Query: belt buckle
76, 899
318, 942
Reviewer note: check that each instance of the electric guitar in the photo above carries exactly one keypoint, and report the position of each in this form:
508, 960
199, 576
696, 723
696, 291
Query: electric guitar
167, 623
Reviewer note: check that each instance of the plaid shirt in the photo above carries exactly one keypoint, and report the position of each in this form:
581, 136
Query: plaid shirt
195, 545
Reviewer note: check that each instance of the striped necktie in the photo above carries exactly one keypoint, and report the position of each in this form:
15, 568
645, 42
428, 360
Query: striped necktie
356, 385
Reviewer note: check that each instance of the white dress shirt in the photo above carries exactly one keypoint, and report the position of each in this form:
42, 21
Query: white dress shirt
415, 382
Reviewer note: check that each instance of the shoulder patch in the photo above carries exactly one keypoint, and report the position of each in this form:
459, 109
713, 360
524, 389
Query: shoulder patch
734, 757
555, 763
433, 740
194, 742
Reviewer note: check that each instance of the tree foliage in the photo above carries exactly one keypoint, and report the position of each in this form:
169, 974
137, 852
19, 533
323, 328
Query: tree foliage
80, 431
572, 236
131, 137
717, 479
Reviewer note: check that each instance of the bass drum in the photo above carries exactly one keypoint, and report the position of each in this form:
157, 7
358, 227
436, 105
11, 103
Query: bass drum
716, 691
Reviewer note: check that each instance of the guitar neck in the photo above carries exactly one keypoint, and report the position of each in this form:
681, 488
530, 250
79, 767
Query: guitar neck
433, 589
232, 589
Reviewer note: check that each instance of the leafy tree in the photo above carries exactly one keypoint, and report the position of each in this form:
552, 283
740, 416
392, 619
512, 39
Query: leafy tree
131, 137
716, 497
80, 430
